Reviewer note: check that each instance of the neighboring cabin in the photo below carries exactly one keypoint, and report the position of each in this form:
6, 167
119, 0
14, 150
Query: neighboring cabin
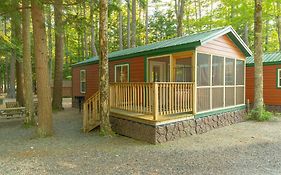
271, 80
171, 88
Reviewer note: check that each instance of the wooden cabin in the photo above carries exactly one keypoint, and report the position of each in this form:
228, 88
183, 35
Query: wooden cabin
169, 89
271, 80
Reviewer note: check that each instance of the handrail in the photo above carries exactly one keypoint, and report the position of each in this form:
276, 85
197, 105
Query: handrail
91, 108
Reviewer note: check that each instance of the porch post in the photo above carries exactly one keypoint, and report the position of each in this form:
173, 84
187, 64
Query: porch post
155, 112
172, 77
194, 80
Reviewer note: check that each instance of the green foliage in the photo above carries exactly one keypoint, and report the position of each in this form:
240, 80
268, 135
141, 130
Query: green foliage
260, 114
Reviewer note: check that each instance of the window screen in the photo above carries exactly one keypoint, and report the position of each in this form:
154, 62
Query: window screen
239, 72
217, 70
217, 100
229, 96
203, 69
203, 99
229, 71
239, 95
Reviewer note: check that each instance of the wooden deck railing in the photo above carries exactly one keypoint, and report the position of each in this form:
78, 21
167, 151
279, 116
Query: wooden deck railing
91, 108
159, 98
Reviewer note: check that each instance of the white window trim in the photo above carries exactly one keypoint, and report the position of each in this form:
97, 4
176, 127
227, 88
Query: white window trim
122, 65
83, 70
278, 77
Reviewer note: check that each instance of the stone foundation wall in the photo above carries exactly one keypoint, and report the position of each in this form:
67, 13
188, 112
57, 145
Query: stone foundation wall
171, 131
273, 108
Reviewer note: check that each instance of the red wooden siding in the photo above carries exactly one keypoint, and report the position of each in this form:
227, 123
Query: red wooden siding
222, 46
272, 94
92, 75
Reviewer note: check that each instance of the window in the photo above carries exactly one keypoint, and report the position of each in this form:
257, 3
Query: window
83, 81
239, 72
183, 70
217, 71
203, 82
278, 78
220, 82
122, 73
203, 69
229, 71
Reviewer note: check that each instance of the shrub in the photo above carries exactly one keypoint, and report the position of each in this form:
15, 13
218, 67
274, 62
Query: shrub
260, 114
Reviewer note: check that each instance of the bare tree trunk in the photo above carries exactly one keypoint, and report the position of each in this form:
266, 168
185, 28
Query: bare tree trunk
179, 9
20, 82
50, 45
86, 51
278, 21
45, 123
59, 55
134, 23
29, 111
12, 76
128, 24
120, 27
93, 45
266, 35
19, 66
246, 34
103, 67
146, 23
258, 58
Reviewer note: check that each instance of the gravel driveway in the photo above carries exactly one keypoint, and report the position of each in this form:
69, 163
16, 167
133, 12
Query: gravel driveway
245, 148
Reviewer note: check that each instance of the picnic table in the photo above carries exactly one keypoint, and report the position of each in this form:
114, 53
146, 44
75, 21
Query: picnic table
12, 110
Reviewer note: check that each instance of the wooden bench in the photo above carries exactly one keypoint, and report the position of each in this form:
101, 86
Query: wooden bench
12, 110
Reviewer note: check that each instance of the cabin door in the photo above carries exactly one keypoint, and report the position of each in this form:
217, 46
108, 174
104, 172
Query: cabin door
157, 71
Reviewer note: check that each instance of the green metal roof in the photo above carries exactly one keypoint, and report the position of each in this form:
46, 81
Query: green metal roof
268, 58
175, 44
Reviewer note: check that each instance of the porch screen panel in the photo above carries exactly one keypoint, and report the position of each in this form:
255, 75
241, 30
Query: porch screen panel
229, 96
239, 95
203, 99
229, 71
183, 70
217, 94
239, 72
203, 69
217, 71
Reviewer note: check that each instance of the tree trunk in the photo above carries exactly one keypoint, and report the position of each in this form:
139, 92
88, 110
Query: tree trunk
27, 69
278, 18
104, 73
120, 27
134, 23
93, 45
128, 25
45, 123
59, 55
11, 90
50, 44
266, 35
179, 9
86, 51
246, 34
258, 103
146, 23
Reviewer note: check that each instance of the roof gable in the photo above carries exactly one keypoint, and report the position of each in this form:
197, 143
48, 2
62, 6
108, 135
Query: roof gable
184, 42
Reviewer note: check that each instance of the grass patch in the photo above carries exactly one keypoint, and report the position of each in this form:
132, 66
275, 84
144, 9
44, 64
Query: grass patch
260, 114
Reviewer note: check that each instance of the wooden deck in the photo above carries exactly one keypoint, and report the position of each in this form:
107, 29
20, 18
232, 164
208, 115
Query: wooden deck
149, 119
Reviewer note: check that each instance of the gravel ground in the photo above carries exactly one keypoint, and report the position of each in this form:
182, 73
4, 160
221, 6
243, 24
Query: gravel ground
244, 148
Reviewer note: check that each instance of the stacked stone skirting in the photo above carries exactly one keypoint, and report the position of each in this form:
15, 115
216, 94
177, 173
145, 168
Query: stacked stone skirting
273, 108
156, 134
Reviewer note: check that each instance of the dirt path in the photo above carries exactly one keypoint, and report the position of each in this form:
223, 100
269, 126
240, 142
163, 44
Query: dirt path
245, 148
